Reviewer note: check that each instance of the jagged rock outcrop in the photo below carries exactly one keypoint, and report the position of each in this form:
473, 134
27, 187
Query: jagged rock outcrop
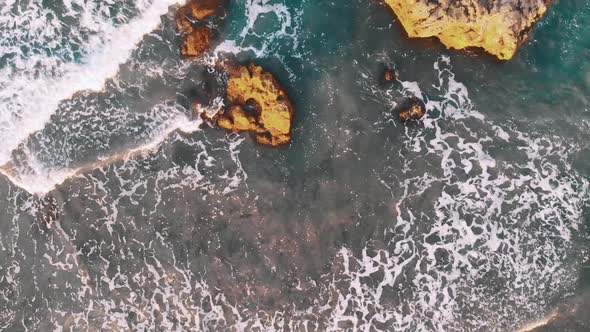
497, 26
412, 109
201, 9
257, 104
255, 100
196, 37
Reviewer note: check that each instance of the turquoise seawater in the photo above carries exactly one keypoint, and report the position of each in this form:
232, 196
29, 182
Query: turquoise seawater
474, 218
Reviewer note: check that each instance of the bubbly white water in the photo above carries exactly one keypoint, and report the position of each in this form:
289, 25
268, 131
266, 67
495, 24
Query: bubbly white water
287, 25
40, 179
504, 227
33, 84
36, 84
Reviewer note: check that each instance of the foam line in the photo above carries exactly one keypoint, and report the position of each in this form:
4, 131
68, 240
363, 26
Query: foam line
43, 180
28, 101
536, 324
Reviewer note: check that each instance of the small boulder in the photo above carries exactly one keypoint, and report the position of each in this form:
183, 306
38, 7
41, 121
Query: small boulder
386, 74
389, 75
196, 42
412, 109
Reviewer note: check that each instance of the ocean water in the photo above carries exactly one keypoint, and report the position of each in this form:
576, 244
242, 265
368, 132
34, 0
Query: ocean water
473, 219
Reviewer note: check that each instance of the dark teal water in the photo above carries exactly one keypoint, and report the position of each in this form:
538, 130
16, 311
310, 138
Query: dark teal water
472, 219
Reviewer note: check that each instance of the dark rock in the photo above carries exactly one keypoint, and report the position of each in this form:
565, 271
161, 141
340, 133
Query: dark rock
411, 109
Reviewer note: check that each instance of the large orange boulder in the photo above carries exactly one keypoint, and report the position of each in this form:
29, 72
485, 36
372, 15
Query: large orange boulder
257, 104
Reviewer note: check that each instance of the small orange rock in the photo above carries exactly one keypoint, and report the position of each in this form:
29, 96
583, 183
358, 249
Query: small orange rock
388, 76
201, 9
414, 111
196, 42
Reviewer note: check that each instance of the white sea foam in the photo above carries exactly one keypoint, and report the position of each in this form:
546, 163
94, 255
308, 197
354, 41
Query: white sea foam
39, 83
287, 27
40, 179
503, 228
503, 231
33, 85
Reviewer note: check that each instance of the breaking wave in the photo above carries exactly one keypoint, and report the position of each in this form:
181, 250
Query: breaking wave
486, 215
61, 50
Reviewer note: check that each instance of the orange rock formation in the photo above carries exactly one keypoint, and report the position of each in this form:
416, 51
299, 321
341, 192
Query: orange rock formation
196, 42
196, 39
257, 104
201, 9
256, 101
497, 26
415, 110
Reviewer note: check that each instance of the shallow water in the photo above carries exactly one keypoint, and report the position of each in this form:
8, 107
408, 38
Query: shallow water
474, 219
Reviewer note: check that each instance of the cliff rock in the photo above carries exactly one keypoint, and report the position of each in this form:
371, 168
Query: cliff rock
497, 26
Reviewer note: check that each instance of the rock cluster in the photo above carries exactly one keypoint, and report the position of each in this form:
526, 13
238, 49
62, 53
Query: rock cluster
196, 37
497, 26
255, 100
257, 103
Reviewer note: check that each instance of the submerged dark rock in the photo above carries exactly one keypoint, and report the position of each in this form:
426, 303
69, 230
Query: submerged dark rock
389, 75
386, 74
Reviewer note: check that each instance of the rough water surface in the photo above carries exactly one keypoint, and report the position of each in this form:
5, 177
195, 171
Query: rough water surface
474, 218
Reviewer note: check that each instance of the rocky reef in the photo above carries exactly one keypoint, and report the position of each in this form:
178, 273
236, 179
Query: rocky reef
255, 100
497, 26
190, 21
257, 103
200, 9
197, 42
